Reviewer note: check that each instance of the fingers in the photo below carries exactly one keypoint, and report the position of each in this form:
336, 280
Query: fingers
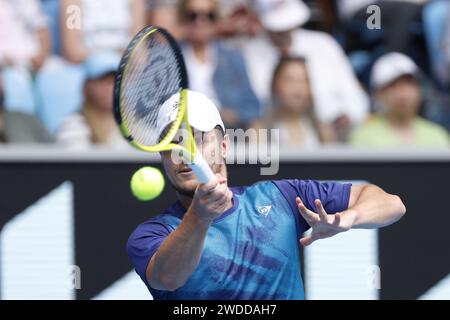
309, 216
306, 241
223, 200
215, 194
207, 189
337, 219
219, 192
321, 211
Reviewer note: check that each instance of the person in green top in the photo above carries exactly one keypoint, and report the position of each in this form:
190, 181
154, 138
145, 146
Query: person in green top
398, 97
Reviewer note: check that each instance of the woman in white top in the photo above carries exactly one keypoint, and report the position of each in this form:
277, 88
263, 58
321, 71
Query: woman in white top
88, 26
293, 107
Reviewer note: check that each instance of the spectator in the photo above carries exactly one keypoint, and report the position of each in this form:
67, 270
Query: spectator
95, 125
339, 99
400, 30
398, 95
24, 50
17, 127
105, 25
293, 107
238, 20
216, 71
164, 14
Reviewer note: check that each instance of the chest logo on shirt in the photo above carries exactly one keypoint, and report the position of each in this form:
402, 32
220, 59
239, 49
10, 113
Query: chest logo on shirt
263, 210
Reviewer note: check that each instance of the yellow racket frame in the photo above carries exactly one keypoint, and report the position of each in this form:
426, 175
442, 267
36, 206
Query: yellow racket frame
189, 151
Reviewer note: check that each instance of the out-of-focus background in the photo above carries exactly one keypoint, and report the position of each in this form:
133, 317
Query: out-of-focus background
358, 89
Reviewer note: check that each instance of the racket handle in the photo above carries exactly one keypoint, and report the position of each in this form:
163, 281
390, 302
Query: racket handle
202, 170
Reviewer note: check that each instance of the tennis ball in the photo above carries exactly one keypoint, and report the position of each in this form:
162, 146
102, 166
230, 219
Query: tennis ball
147, 183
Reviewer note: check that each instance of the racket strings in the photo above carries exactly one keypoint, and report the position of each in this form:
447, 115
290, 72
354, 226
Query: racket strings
152, 77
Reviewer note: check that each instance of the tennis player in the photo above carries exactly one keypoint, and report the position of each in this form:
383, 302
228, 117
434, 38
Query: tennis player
221, 242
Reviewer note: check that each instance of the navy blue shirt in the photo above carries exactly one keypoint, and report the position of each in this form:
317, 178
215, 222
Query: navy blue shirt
251, 251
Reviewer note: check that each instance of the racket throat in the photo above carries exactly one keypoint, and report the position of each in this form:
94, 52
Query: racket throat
201, 169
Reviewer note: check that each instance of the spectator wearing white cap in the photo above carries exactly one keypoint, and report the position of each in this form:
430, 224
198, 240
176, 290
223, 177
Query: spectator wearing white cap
338, 97
397, 94
95, 124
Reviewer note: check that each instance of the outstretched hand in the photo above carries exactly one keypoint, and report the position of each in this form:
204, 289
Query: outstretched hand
323, 225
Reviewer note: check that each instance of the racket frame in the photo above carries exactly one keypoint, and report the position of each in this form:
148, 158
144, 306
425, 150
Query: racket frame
189, 152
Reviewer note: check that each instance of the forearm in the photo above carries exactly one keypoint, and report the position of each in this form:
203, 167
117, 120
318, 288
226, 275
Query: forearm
375, 208
179, 254
73, 48
45, 42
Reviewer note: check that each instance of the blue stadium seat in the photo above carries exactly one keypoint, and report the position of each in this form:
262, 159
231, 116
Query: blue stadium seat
18, 90
61, 94
51, 9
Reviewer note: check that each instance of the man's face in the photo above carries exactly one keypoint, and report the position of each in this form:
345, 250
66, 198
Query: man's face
200, 20
214, 149
402, 98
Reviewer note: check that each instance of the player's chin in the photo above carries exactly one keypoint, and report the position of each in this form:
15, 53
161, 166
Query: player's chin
187, 180
187, 188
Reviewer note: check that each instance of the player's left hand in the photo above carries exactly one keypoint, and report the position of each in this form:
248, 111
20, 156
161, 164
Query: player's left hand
323, 225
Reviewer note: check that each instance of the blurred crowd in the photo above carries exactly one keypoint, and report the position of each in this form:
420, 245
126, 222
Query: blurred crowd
321, 71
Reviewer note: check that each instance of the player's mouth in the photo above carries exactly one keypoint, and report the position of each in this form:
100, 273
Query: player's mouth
185, 171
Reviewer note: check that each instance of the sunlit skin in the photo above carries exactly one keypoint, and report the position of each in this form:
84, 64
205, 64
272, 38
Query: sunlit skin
401, 99
181, 177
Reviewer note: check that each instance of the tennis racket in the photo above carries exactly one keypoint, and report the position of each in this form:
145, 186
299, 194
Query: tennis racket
151, 73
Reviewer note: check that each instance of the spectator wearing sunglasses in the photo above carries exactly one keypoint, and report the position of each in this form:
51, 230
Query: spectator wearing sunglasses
213, 69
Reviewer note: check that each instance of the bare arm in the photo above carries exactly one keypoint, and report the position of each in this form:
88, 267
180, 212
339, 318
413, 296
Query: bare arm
369, 207
373, 207
45, 43
73, 48
179, 254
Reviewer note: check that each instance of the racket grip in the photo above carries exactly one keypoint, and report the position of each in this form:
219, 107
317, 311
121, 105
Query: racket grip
202, 170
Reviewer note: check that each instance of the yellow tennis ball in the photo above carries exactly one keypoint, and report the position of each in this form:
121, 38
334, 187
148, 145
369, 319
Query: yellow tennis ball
147, 183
